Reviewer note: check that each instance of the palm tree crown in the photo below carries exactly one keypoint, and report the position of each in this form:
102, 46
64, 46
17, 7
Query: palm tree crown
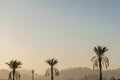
52, 61
52, 71
14, 64
100, 57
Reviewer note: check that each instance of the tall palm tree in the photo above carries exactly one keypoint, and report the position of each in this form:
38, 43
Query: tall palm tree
14, 74
100, 59
52, 71
33, 74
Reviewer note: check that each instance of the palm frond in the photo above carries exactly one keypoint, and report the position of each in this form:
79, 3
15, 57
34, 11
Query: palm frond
95, 64
104, 49
52, 61
56, 71
105, 60
96, 51
17, 75
13, 64
93, 58
47, 72
9, 76
100, 58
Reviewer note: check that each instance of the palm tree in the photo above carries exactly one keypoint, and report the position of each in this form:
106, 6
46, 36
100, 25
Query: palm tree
52, 71
33, 74
100, 59
14, 74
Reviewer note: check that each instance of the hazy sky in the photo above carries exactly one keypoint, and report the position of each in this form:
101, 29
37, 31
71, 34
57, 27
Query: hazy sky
35, 30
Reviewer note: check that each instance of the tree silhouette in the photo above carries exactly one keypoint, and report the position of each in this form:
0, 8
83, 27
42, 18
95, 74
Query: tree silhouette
33, 74
100, 60
52, 71
14, 74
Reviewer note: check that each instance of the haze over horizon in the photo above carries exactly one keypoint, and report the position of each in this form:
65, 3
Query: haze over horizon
33, 31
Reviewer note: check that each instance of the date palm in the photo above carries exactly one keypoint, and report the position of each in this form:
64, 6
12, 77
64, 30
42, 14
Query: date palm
52, 71
33, 74
100, 59
14, 74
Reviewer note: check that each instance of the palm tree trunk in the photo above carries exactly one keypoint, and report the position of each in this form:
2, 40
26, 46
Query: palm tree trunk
13, 74
100, 67
19, 77
32, 76
52, 73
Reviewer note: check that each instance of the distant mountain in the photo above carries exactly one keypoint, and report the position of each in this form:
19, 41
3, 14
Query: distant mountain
67, 74
25, 75
80, 73
4, 73
75, 73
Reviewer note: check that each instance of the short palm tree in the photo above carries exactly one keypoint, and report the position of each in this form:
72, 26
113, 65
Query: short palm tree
100, 59
52, 71
14, 74
33, 74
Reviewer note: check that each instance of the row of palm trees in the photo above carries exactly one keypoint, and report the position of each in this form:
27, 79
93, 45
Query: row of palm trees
15, 75
99, 61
